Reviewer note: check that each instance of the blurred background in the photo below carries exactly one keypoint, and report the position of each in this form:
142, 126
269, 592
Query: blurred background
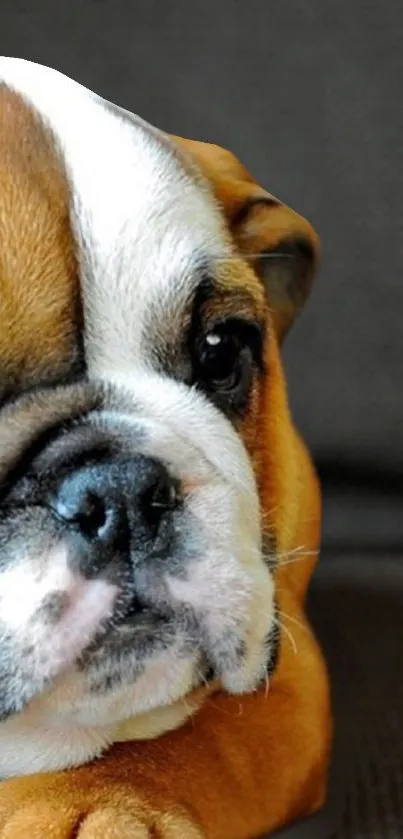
308, 94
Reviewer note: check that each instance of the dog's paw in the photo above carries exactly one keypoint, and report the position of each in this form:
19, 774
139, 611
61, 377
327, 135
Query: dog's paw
46, 816
39, 821
110, 823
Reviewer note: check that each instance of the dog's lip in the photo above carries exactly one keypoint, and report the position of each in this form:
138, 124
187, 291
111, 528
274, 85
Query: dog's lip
127, 612
136, 608
139, 619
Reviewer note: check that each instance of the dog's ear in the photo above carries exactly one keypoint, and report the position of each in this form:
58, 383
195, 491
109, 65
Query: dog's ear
281, 245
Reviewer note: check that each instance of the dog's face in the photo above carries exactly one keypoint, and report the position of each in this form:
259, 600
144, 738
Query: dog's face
141, 418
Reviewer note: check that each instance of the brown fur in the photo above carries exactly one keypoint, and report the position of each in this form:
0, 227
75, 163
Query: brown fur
242, 765
38, 288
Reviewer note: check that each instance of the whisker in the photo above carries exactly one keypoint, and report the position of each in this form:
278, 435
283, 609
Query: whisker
246, 256
295, 555
293, 620
298, 550
202, 677
191, 716
282, 562
273, 560
271, 511
187, 706
225, 711
288, 634
265, 515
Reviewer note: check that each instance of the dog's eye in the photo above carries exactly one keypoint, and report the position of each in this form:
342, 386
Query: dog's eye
220, 359
225, 359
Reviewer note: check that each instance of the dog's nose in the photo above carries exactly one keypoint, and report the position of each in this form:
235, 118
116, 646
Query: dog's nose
110, 504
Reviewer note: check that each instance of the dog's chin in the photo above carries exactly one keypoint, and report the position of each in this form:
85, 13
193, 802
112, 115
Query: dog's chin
141, 662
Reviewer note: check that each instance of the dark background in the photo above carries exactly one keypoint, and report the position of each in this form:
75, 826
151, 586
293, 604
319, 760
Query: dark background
308, 93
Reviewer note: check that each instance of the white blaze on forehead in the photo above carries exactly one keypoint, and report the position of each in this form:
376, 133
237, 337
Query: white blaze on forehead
141, 222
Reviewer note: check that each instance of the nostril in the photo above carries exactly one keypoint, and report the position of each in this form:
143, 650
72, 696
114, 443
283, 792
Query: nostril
163, 493
85, 510
92, 517
158, 498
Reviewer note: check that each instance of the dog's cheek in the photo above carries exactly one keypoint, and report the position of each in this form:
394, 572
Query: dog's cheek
229, 589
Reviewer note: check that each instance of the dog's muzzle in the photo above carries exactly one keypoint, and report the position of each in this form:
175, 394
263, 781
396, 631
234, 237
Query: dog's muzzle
130, 552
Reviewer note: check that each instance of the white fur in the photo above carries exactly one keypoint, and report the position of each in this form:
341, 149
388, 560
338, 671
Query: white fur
46, 735
26, 584
24, 587
142, 224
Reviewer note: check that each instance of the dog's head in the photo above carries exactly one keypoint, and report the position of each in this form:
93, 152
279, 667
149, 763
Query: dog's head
144, 456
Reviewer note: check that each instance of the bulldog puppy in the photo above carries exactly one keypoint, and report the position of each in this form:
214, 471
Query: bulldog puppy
159, 514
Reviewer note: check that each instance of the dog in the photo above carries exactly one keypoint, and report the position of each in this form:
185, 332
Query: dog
159, 513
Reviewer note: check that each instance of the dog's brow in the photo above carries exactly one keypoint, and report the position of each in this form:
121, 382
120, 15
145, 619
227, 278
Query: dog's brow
218, 299
248, 206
